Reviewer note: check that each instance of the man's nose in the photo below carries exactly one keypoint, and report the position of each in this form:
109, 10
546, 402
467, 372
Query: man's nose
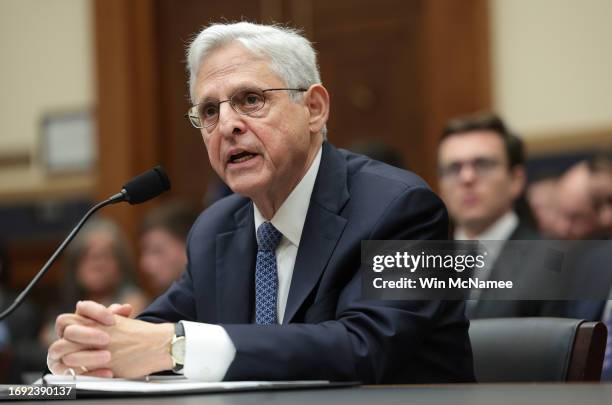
467, 173
230, 122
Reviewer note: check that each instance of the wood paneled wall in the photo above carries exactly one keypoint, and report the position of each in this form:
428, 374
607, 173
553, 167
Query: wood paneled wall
396, 71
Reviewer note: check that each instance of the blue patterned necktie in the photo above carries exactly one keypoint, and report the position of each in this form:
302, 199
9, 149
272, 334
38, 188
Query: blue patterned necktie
266, 275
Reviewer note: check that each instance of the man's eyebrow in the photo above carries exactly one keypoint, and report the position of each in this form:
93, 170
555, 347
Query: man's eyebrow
234, 90
206, 99
476, 157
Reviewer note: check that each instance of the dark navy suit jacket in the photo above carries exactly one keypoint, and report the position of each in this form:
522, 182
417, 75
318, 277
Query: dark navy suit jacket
592, 278
508, 266
328, 331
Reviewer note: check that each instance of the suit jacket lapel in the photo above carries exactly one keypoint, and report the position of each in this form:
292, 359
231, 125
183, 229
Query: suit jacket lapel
236, 253
322, 228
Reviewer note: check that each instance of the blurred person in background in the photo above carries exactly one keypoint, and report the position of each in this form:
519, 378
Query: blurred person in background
163, 238
98, 266
593, 277
379, 150
216, 189
19, 350
601, 191
600, 186
542, 198
577, 216
481, 177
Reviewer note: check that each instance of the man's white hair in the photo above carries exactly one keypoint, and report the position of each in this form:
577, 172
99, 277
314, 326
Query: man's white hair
291, 56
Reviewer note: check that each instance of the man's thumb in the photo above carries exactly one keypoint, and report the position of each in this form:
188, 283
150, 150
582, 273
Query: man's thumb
121, 309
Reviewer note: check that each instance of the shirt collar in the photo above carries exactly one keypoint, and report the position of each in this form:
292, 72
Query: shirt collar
290, 217
500, 230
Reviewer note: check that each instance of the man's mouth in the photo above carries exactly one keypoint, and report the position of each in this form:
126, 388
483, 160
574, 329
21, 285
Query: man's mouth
241, 157
470, 200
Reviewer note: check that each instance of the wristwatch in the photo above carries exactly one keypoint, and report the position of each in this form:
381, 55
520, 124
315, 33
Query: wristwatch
177, 347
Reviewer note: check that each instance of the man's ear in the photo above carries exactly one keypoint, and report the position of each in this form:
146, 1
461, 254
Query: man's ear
317, 102
519, 180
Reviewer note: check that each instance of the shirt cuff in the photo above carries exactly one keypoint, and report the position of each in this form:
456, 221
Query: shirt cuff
209, 351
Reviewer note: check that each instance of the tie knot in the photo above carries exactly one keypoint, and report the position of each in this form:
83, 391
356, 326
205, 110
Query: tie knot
268, 237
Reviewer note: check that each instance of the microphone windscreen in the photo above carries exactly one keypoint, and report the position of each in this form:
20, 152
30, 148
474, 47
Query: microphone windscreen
147, 185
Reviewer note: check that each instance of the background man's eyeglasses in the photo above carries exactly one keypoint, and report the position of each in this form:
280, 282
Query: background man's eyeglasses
481, 166
247, 102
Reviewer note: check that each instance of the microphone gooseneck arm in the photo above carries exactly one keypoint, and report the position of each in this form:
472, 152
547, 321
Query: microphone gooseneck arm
141, 188
119, 197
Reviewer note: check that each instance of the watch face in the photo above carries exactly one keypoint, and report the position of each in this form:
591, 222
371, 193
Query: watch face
178, 350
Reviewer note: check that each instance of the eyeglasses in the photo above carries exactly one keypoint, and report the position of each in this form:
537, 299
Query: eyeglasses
246, 102
481, 166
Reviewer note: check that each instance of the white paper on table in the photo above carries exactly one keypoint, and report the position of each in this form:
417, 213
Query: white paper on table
169, 384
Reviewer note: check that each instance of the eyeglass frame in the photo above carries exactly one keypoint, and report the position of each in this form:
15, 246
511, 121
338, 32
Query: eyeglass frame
263, 91
452, 171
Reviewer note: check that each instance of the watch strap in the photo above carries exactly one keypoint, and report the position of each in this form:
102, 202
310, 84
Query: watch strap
179, 334
179, 329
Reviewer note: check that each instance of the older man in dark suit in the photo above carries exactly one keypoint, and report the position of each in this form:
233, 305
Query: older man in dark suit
272, 289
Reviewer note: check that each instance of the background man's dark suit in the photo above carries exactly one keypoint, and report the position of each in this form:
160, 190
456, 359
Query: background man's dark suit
328, 332
592, 279
510, 266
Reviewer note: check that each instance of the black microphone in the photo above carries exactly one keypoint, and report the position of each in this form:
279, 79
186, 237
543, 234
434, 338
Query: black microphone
141, 188
145, 186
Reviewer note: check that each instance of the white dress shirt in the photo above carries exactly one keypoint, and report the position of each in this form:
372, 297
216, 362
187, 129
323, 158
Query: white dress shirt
500, 230
209, 351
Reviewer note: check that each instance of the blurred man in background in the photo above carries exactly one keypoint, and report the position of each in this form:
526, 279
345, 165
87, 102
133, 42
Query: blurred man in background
482, 175
542, 198
378, 150
600, 187
577, 215
592, 219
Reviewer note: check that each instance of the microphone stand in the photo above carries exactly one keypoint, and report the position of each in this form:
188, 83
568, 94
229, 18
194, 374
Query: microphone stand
119, 197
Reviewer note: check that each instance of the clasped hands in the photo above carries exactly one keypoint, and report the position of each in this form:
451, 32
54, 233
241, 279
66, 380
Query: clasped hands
104, 342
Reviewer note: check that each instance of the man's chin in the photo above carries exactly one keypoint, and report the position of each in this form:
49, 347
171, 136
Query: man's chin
246, 188
471, 217
478, 222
